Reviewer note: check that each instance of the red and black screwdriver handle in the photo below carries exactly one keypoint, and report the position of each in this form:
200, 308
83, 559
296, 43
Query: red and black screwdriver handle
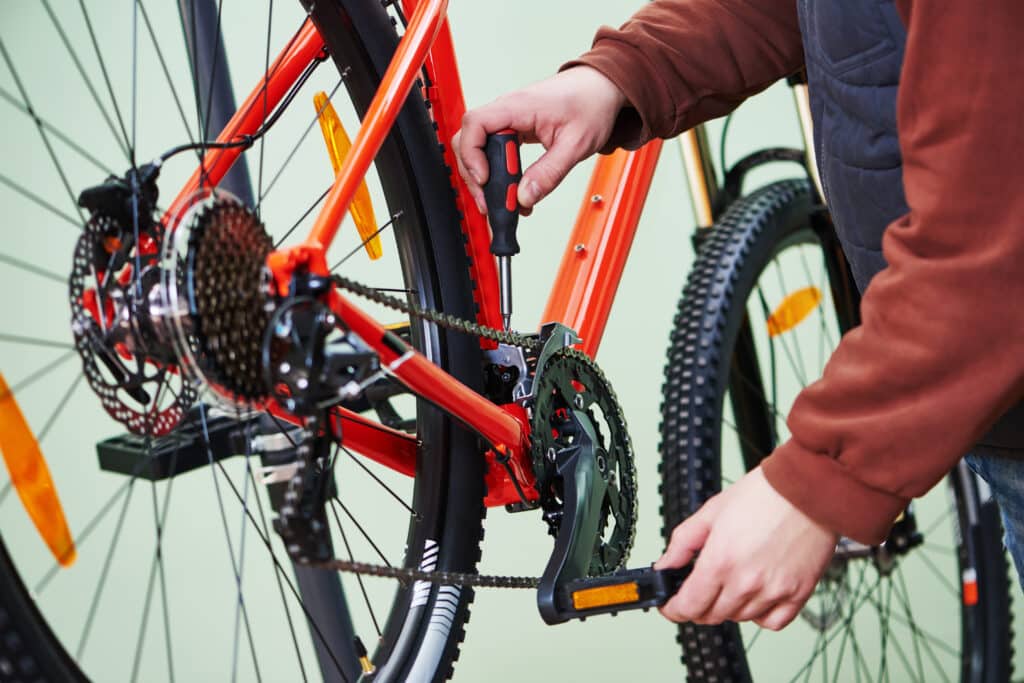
501, 189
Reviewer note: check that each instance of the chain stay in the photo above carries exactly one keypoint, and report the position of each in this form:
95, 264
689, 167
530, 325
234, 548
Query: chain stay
404, 574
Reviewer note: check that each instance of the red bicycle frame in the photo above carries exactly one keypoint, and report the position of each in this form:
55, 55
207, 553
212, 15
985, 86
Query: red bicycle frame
583, 290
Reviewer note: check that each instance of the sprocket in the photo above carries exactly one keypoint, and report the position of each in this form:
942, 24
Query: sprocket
568, 388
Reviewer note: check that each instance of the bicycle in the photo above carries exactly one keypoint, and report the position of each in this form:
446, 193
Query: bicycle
395, 407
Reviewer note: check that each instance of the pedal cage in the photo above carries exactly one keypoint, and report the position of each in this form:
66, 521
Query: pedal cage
565, 591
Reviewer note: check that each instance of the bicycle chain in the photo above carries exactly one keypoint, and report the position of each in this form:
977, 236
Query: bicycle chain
450, 322
411, 574
407, 574
445, 320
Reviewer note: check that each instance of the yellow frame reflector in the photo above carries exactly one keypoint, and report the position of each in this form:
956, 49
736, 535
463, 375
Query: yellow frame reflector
793, 309
338, 146
31, 478
602, 596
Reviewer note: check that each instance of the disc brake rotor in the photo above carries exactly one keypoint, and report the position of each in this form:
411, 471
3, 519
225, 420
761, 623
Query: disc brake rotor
115, 325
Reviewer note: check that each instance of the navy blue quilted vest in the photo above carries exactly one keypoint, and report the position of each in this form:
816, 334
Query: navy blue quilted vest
854, 52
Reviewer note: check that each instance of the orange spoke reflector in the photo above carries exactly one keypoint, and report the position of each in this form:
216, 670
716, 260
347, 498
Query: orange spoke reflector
602, 596
338, 146
793, 309
31, 478
970, 583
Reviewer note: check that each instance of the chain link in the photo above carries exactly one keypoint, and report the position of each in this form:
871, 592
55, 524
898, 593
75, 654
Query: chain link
445, 320
408, 575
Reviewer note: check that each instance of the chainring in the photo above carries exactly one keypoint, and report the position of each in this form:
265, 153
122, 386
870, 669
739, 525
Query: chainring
571, 382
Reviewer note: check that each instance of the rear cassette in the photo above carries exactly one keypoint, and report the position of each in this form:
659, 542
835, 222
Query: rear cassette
216, 285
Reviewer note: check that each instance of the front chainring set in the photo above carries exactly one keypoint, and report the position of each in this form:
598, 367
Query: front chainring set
182, 317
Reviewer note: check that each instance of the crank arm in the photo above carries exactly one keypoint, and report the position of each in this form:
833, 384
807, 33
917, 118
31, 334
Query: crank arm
624, 590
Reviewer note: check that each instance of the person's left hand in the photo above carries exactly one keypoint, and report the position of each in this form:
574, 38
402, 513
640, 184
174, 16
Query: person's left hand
760, 558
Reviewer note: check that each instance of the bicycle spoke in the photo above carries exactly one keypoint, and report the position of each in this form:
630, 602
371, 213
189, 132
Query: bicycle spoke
296, 224
227, 533
823, 287
753, 641
905, 605
785, 348
163, 581
926, 639
266, 71
241, 566
277, 574
55, 132
281, 571
5, 491
33, 341
104, 573
59, 408
41, 372
167, 74
337, 501
796, 337
39, 201
358, 461
140, 641
953, 590
130, 152
855, 606
938, 522
362, 244
295, 148
27, 103
359, 578
85, 78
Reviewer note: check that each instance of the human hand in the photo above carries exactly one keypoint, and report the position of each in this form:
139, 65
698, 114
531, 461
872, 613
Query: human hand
760, 558
571, 114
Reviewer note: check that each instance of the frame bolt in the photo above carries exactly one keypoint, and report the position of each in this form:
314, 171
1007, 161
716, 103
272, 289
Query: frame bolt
580, 248
577, 401
596, 199
551, 454
284, 368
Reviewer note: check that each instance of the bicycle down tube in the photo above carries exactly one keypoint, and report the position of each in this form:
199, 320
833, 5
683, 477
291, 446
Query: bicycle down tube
584, 288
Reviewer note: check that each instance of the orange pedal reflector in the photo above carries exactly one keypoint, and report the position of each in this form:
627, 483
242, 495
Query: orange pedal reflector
31, 478
338, 146
602, 596
793, 309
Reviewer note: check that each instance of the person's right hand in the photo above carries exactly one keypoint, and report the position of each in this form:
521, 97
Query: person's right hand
571, 114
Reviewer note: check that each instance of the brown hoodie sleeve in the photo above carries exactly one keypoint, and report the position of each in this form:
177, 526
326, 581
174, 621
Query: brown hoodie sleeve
682, 62
940, 354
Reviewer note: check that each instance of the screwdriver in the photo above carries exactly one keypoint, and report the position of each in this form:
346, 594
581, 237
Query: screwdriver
500, 193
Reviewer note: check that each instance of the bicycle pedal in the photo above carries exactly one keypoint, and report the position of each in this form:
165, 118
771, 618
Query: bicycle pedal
628, 589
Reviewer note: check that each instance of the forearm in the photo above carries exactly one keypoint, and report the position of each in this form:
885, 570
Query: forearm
682, 62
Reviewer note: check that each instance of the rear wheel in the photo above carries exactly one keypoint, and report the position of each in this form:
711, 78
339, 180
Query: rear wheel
765, 304
196, 585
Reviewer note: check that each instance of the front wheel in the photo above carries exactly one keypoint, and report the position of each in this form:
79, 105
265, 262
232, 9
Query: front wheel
765, 305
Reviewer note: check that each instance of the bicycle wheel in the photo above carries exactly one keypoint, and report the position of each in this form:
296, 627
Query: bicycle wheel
764, 306
197, 585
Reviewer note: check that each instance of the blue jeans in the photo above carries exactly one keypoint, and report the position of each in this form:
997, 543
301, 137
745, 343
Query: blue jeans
1005, 476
